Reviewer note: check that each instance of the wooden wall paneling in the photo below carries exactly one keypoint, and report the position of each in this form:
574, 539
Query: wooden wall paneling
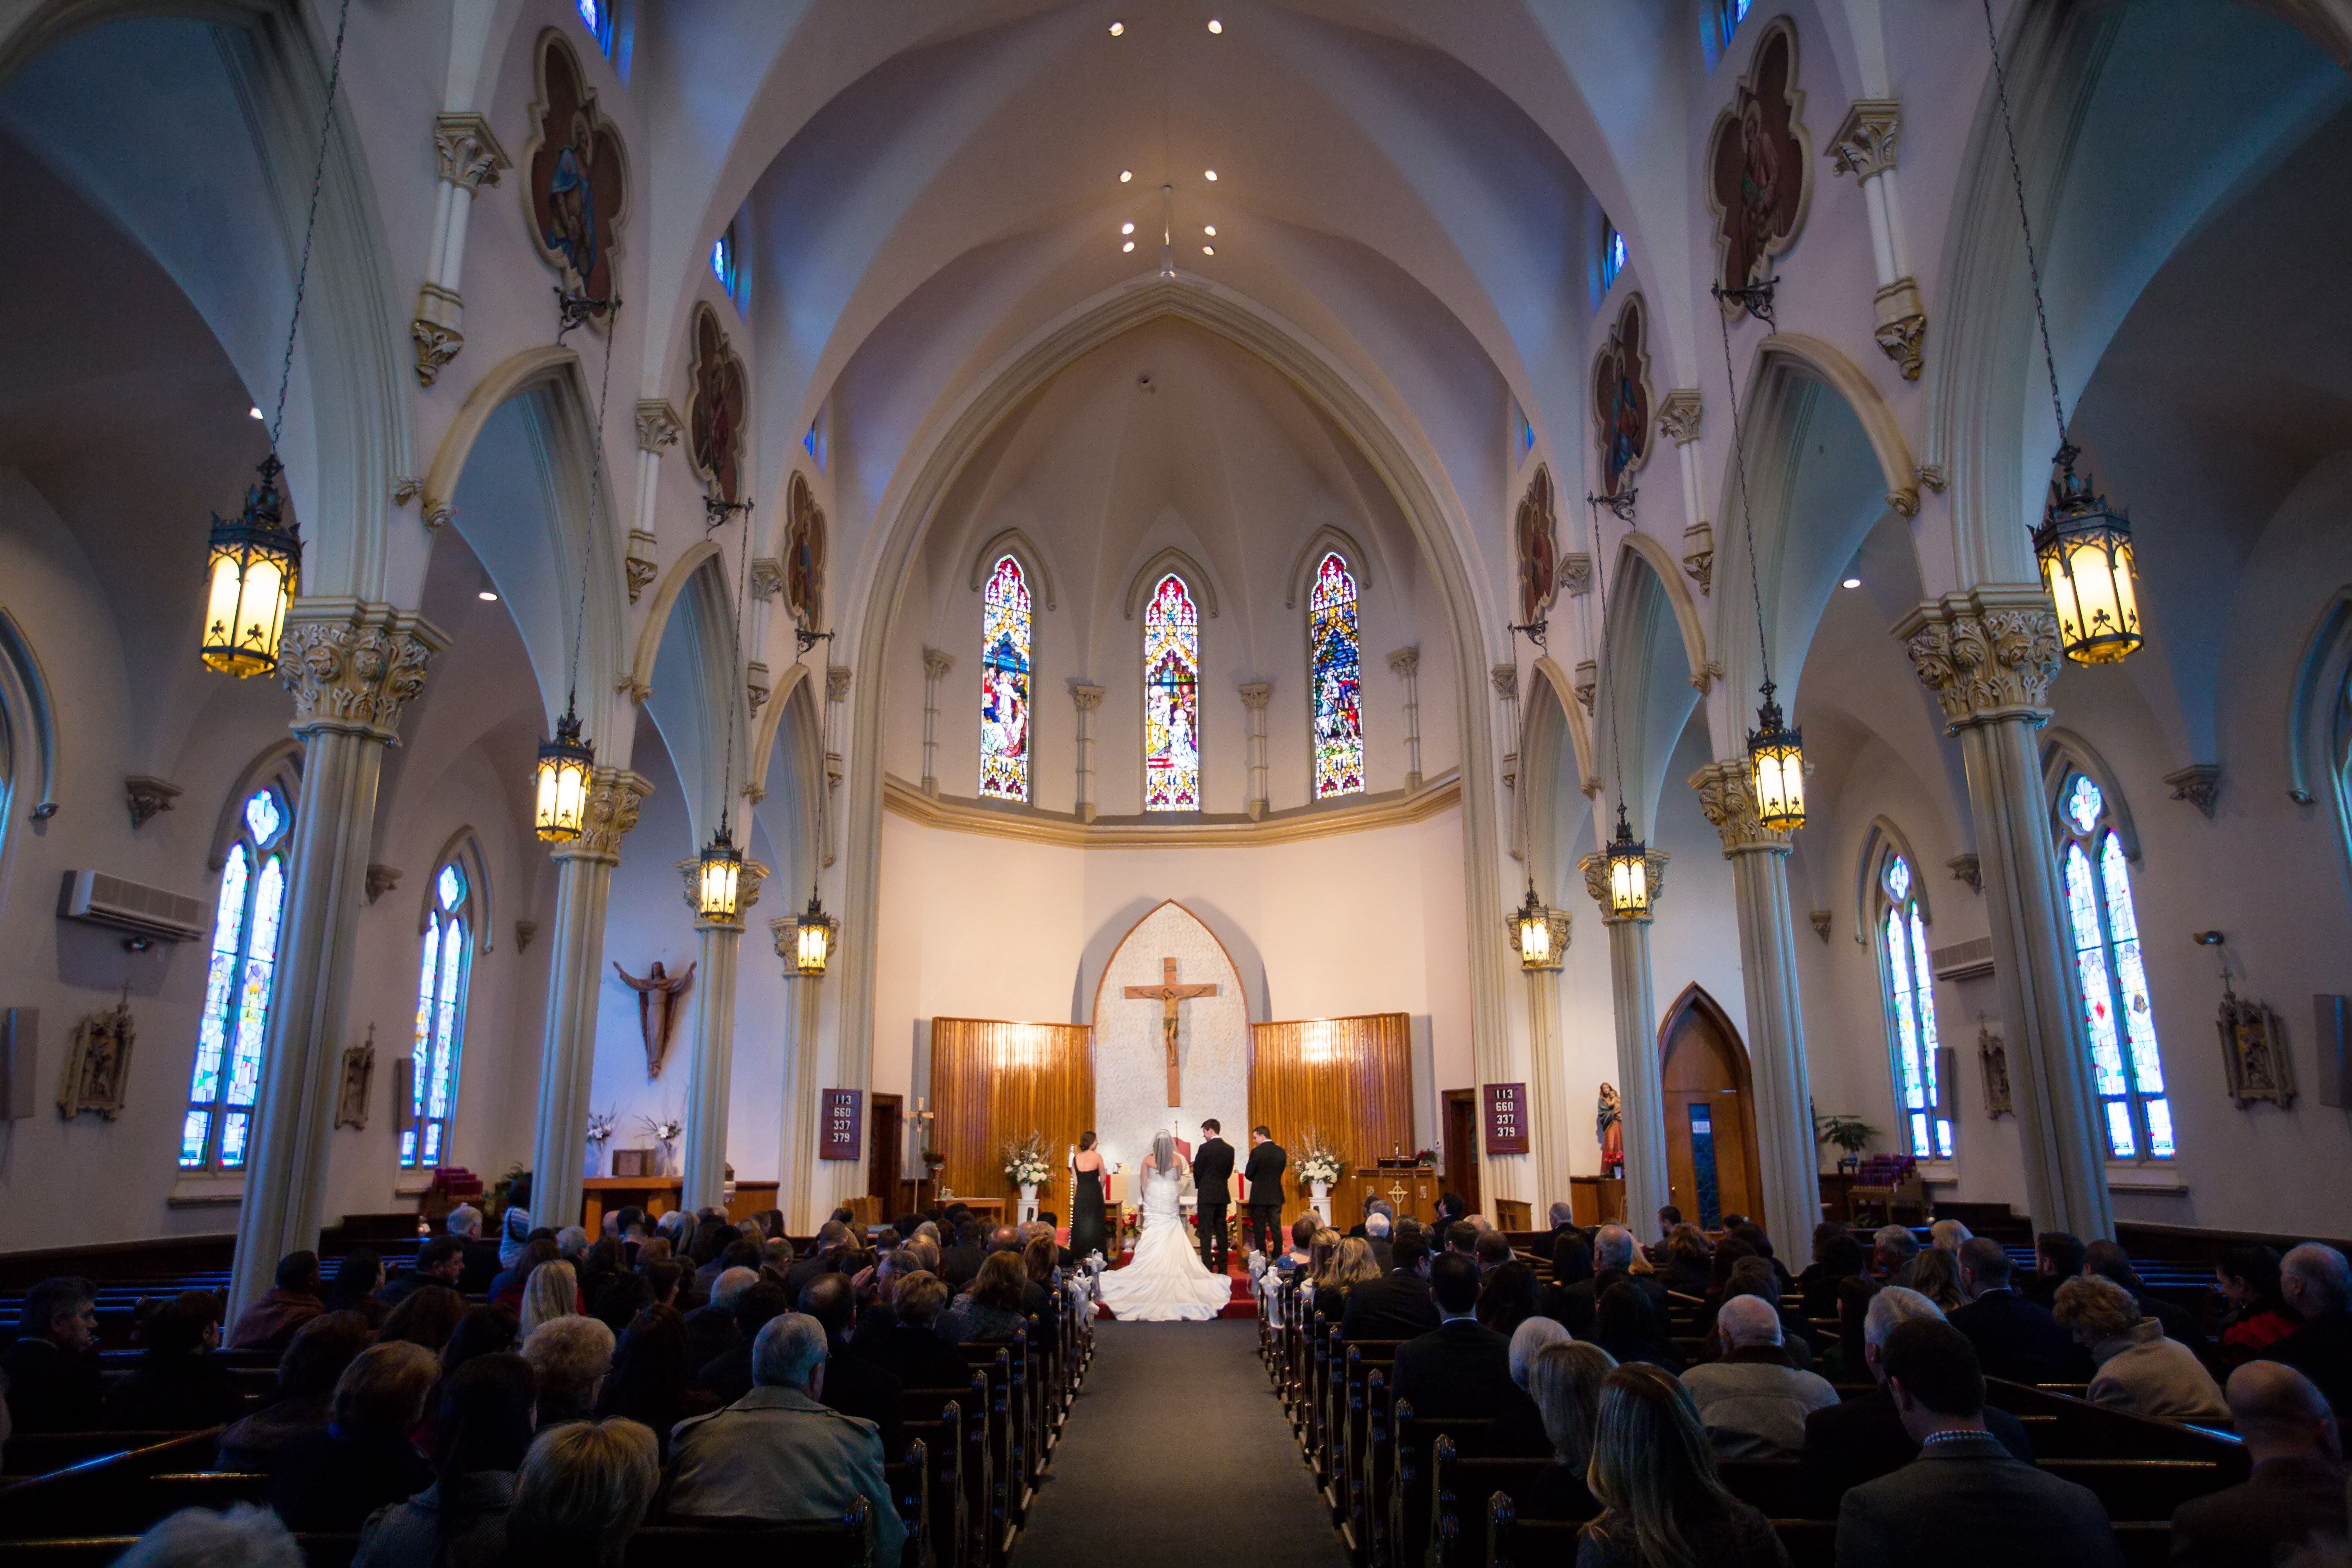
1351, 1078
995, 1082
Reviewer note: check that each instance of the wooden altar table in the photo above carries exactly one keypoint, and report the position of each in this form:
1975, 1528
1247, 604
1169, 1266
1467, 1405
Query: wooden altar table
660, 1195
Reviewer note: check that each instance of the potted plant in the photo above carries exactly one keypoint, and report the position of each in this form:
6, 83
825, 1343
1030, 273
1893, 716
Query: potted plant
1849, 1134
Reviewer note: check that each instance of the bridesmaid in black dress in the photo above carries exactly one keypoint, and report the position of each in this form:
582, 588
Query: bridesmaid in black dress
1087, 1232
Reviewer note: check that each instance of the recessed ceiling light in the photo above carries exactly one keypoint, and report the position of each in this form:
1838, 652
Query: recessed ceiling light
1210, 231
256, 413
1127, 228
1212, 173
1116, 28
487, 593
1125, 175
1215, 26
1208, 250
1853, 582
1129, 245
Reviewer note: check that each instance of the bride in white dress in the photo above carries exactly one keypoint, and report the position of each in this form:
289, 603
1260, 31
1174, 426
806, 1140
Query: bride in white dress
1165, 1281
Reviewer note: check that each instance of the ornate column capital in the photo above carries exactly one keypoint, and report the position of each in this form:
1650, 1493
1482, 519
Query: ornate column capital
657, 425
1987, 654
836, 683
1863, 143
1085, 697
938, 662
1727, 795
353, 665
1405, 663
614, 796
1595, 866
767, 578
1257, 694
1506, 678
746, 887
1679, 411
1576, 574
470, 153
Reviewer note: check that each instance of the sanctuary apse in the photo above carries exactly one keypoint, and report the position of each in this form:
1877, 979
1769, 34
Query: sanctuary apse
995, 503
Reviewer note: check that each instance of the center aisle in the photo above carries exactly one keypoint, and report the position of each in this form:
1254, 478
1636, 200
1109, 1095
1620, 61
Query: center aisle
1176, 1453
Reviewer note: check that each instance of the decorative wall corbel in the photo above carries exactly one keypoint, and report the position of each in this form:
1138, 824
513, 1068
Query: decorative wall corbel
470, 158
1864, 146
2199, 785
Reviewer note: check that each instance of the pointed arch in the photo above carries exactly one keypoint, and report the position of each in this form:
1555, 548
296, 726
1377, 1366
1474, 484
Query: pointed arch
1579, 723
1687, 620
1013, 542
464, 846
2064, 751
1326, 540
1829, 364
1880, 836
279, 763
657, 613
771, 717
27, 710
1197, 580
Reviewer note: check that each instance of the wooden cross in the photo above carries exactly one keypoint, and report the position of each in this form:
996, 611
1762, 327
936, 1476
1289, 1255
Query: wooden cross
1167, 993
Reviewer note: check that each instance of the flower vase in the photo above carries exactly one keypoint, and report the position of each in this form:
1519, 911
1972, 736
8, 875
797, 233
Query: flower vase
595, 1166
1028, 1202
1321, 1192
665, 1159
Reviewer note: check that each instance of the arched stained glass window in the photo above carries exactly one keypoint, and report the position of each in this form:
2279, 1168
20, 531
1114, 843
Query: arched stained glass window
1910, 983
2126, 1070
440, 1022
1172, 699
596, 15
223, 1089
1004, 640
1337, 670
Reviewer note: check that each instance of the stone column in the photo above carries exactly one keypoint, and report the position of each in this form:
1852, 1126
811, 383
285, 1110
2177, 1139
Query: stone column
351, 667
1639, 1082
567, 1050
1679, 413
936, 664
1989, 654
470, 158
713, 1065
1255, 695
1776, 1023
1864, 146
1405, 664
837, 694
657, 427
1506, 678
1087, 699
798, 1157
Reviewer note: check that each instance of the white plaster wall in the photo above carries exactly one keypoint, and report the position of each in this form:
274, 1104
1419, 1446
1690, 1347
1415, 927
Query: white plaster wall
1212, 1040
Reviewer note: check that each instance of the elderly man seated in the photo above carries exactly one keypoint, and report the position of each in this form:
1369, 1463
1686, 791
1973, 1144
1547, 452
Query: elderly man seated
1753, 1402
778, 1453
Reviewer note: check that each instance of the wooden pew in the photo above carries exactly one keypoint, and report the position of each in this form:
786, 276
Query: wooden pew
1404, 1493
981, 1519
31, 1453
949, 1507
910, 1481
1460, 1489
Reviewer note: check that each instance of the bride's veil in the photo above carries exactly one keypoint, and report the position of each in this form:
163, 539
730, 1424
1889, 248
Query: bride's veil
1163, 1153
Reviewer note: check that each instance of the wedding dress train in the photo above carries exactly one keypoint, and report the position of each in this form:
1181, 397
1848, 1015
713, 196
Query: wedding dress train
1165, 1280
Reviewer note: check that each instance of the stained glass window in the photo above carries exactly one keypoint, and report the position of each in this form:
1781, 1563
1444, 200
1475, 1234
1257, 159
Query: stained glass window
1336, 656
1729, 13
1172, 699
225, 1086
1612, 254
723, 263
1005, 623
2126, 1072
1911, 1014
596, 15
440, 1022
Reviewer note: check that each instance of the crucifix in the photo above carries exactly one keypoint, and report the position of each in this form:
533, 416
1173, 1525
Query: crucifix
1167, 993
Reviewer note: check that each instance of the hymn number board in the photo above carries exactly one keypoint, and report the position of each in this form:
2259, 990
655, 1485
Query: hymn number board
1506, 1126
838, 1130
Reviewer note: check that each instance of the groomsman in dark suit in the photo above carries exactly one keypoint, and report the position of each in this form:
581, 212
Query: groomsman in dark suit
1262, 1178
1213, 1175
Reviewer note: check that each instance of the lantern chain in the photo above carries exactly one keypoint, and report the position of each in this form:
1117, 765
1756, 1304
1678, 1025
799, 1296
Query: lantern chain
589, 526
309, 226
1747, 511
1608, 666
2066, 450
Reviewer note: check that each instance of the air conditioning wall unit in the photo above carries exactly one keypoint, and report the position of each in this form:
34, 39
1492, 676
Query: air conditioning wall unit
116, 901
1963, 960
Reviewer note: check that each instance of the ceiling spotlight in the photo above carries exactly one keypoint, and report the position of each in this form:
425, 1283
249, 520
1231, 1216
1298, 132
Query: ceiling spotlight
1210, 231
1208, 250
1215, 26
1853, 582
256, 413
1129, 245
487, 593
1116, 28
1127, 228
1125, 175
1212, 173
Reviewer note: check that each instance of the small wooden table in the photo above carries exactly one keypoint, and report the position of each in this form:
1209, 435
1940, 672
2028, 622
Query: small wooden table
660, 1195
993, 1208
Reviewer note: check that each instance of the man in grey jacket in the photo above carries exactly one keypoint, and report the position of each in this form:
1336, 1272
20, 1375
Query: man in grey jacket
777, 1453
1964, 1490
1753, 1402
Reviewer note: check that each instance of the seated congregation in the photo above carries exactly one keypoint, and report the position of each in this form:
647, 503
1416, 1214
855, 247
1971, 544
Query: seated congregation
1468, 1397
675, 1389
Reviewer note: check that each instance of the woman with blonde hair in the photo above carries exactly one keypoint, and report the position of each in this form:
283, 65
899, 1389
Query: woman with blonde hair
1564, 1377
1653, 1472
1935, 1274
2140, 1371
553, 1292
582, 1491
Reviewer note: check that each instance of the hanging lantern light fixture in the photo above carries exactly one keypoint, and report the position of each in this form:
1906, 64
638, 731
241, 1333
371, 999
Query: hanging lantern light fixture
564, 765
1776, 768
2083, 545
253, 563
1542, 934
719, 879
813, 939
1629, 872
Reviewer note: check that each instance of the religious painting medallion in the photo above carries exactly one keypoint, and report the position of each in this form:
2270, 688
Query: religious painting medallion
1539, 548
97, 1065
716, 401
575, 185
1760, 164
803, 555
1621, 403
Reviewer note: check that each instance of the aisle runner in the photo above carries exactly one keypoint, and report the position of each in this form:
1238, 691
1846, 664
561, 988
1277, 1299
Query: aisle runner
1243, 1305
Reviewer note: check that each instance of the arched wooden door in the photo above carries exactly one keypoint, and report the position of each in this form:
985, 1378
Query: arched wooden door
1710, 1109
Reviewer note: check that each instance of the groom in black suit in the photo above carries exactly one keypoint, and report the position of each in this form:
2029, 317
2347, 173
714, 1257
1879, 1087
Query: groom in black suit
1212, 1172
1263, 1177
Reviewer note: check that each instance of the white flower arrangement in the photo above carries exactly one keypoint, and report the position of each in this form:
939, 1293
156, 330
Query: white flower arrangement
1024, 1163
665, 1130
601, 1124
1321, 1161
